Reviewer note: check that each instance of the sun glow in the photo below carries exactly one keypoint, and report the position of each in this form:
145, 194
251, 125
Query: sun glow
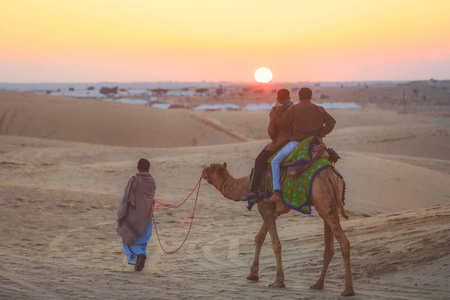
139, 40
263, 75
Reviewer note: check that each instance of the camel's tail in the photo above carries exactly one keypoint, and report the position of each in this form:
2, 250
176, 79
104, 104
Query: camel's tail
338, 187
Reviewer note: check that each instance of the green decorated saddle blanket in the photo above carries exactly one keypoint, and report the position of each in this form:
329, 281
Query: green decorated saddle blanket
296, 190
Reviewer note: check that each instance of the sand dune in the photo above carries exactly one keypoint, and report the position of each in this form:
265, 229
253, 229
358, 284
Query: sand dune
106, 123
59, 200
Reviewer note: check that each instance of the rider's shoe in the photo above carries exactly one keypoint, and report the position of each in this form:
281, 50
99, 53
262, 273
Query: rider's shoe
251, 195
276, 197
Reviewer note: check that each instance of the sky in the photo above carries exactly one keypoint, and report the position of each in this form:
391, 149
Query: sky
216, 40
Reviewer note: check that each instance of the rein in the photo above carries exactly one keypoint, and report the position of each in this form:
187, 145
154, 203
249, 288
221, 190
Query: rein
197, 186
224, 184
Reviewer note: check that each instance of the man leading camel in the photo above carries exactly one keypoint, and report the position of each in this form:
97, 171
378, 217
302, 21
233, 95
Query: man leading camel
135, 215
302, 120
279, 138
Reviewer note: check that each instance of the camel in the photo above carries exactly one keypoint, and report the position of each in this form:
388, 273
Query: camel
326, 196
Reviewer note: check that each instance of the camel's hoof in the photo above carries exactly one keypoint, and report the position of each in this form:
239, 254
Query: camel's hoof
316, 286
253, 277
277, 284
349, 292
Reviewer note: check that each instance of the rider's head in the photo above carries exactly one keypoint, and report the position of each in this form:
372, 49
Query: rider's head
283, 95
305, 93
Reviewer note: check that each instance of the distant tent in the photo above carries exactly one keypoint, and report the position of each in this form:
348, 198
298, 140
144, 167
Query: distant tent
259, 107
132, 101
217, 107
161, 105
340, 105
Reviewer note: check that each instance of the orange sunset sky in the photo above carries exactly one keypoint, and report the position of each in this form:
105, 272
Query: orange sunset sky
196, 40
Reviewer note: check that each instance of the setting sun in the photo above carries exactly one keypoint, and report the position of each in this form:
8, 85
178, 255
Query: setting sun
263, 75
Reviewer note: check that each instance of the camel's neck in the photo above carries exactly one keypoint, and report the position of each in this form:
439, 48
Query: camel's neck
234, 188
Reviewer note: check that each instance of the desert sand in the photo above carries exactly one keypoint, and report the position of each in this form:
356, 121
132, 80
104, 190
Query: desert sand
64, 163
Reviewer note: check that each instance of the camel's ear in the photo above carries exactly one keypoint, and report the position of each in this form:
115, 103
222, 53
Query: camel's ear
225, 165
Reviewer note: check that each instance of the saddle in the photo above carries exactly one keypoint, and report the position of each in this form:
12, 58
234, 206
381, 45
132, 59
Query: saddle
319, 151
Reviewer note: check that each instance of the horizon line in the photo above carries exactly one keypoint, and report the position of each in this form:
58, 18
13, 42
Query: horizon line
228, 82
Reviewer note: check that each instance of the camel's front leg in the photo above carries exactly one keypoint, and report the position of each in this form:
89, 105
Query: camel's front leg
269, 220
327, 256
259, 240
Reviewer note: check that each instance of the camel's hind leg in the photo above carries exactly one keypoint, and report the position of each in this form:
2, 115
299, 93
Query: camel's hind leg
327, 256
345, 249
324, 198
259, 240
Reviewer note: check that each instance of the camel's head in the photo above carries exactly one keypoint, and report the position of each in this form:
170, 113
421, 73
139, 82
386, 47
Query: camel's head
215, 172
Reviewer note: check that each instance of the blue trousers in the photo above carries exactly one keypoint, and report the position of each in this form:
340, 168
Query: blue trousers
276, 162
139, 246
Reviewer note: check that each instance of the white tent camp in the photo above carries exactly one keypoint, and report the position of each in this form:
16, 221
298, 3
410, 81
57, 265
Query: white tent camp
217, 107
259, 107
340, 105
132, 101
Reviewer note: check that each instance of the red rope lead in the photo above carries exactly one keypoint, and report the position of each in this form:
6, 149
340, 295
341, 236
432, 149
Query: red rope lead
192, 218
169, 206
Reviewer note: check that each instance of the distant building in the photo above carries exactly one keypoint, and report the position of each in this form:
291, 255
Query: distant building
183, 93
217, 107
340, 105
135, 92
161, 105
259, 107
77, 93
132, 101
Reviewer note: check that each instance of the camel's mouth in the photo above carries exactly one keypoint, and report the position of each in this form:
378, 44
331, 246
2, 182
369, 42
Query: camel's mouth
205, 173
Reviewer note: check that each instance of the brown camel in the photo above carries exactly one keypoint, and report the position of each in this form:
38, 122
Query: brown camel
326, 196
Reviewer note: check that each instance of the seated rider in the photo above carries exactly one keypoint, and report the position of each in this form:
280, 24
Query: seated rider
279, 138
302, 120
